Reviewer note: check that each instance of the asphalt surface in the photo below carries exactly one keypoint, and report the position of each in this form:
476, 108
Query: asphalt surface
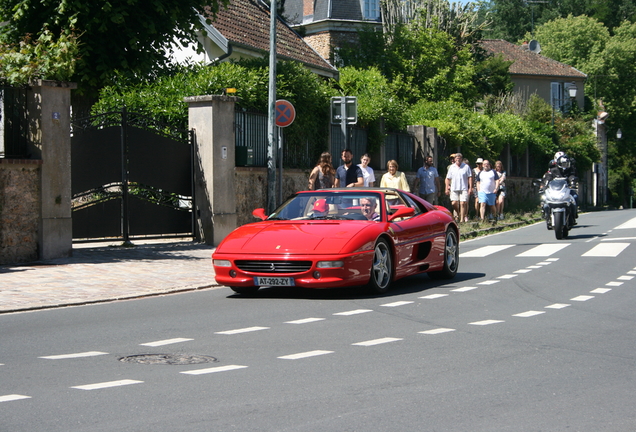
107, 272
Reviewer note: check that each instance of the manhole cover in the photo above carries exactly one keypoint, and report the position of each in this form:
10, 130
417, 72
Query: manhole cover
169, 359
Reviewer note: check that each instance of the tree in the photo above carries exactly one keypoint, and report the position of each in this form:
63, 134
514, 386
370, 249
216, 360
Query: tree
128, 36
578, 41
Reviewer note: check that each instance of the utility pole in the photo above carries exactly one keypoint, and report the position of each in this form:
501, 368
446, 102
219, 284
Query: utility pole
272, 141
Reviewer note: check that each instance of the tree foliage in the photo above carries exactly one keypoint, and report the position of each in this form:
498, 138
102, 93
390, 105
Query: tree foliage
127, 36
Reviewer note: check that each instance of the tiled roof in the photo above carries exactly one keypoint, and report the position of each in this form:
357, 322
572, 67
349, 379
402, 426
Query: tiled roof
247, 22
528, 63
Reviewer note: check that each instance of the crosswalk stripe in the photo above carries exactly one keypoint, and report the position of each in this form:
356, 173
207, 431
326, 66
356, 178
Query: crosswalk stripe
629, 224
484, 251
606, 250
544, 250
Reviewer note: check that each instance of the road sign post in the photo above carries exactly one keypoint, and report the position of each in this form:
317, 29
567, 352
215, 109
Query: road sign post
344, 111
285, 115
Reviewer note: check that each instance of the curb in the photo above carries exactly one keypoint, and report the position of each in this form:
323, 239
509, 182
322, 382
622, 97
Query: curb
496, 228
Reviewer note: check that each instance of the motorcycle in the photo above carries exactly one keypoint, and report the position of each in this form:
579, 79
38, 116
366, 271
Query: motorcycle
559, 205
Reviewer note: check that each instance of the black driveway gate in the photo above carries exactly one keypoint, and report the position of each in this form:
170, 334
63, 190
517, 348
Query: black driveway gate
130, 178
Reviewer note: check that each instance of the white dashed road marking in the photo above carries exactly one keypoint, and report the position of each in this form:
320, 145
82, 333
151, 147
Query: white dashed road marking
108, 384
434, 296
76, 355
396, 304
582, 298
305, 355
242, 330
13, 397
529, 314
488, 282
625, 278
377, 341
507, 276
485, 322
523, 271
557, 306
165, 342
354, 312
600, 290
305, 321
614, 284
464, 289
213, 370
437, 331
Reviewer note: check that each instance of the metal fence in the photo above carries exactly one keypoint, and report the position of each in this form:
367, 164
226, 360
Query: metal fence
13, 122
251, 132
400, 147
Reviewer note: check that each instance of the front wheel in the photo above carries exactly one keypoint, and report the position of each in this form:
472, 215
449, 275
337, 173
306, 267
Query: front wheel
558, 226
451, 257
381, 268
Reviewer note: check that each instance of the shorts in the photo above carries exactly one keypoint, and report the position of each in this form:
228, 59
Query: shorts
460, 195
502, 193
488, 198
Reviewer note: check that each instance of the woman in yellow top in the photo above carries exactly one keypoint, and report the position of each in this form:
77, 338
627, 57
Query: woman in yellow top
394, 178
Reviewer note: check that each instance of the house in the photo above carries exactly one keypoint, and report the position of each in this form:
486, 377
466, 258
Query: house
328, 24
241, 31
533, 73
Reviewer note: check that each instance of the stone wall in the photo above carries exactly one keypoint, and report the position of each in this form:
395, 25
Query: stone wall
19, 210
251, 189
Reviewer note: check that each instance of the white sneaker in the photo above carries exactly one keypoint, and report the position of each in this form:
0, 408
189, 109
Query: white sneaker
501, 217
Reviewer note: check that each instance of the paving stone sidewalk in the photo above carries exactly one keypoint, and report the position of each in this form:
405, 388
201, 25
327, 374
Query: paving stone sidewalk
98, 273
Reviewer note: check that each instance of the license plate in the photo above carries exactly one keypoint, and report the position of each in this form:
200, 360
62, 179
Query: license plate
274, 281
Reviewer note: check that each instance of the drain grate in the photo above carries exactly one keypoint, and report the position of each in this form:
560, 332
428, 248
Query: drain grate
168, 359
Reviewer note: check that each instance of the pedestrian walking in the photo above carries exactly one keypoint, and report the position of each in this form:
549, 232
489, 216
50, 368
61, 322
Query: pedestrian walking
323, 175
394, 178
459, 185
368, 177
348, 174
501, 191
427, 181
487, 182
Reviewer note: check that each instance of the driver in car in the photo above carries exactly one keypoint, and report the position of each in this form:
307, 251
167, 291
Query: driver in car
367, 207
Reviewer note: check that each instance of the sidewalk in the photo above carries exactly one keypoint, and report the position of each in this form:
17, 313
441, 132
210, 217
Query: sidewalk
104, 272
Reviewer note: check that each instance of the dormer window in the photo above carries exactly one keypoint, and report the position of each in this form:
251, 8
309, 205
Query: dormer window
370, 9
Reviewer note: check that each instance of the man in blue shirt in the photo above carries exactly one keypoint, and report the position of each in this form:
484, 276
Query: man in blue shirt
349, 174
427, 181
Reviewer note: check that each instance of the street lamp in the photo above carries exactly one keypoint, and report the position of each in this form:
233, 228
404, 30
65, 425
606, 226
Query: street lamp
619, 134
572, 90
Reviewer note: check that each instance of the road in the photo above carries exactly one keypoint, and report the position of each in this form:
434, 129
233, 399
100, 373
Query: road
534, 334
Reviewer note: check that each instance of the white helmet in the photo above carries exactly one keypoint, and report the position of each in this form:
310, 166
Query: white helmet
563, 162
557, 155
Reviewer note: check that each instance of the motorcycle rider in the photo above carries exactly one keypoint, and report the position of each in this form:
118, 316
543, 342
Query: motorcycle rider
563, 166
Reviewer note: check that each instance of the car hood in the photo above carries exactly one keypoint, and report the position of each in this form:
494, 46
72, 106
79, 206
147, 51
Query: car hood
318, 237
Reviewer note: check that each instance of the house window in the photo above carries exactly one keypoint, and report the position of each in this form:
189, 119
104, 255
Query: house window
370, 9
560, 96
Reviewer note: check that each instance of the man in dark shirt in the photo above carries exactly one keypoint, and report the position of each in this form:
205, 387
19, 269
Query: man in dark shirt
349, 174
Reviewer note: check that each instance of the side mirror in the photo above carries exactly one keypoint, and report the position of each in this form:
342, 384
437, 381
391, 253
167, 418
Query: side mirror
259, 213
402, 213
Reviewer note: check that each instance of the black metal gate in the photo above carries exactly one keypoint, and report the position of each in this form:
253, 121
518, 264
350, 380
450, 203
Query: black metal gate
130, 178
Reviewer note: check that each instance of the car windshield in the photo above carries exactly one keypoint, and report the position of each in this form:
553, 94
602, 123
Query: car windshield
365, 206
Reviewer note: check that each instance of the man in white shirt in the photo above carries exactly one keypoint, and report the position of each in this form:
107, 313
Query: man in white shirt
459, 185
487, 186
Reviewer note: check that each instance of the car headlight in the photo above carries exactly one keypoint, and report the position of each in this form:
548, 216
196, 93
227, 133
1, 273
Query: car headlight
329, 264
222, 263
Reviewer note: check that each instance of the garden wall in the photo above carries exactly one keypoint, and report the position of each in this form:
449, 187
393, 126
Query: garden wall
19, 210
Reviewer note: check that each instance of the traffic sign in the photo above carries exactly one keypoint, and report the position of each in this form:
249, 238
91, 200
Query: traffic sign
285, 113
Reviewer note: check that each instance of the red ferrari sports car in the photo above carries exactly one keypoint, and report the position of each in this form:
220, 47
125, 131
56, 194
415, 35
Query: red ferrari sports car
340, 237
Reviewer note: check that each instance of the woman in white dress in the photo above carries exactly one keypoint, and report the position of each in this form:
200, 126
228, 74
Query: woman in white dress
367, 172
